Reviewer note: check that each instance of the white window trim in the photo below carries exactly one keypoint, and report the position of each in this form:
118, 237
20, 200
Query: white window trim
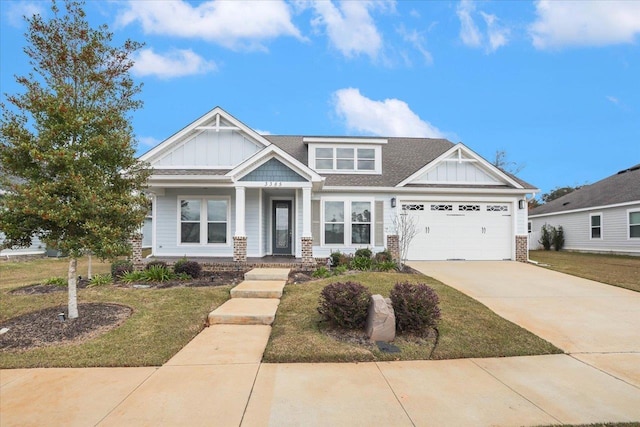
203, 221
377, 169
629, 212
346, 243
591, 227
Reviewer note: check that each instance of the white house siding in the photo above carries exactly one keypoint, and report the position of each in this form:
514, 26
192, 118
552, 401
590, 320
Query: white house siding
577, 230
266, 212
210, 149
147, 233
37, 248
167, 225
252, 221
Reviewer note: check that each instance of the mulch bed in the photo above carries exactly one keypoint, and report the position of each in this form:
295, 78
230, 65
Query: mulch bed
43, 328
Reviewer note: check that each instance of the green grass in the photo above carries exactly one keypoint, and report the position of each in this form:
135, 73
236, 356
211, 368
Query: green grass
467, 328
163, 320
616, 270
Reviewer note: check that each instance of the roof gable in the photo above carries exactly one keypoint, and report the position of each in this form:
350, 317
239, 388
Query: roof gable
216, 140
460, 166
273, 170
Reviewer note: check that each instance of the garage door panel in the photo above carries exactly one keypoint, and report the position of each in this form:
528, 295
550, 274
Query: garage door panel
454, 230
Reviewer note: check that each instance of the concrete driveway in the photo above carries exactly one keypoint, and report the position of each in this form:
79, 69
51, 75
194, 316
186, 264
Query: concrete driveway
577, 315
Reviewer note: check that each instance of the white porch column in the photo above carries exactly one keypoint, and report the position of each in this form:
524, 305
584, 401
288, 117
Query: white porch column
240, 212
306, 212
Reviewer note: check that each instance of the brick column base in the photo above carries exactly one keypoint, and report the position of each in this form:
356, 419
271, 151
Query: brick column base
308, 261
393, 246
136, 251
240, 248
522, 248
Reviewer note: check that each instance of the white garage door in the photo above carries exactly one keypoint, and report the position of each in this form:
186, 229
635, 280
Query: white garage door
460, 230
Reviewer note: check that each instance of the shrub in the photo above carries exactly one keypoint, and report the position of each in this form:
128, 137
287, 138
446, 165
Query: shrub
155, 263
100, 280
132, 277
383, 256
157, 273
361, 263
341, 269
386, 266
191, 268
345, 304
415, 306
558, 238
120, 267
364, 253
321, 272
344, 260
546, 236
335, 258
55, 281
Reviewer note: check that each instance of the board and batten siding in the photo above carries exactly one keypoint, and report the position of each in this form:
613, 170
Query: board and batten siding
577, 230
252, 222
210, 149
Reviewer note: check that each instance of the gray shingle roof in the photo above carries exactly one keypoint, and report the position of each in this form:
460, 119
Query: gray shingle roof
401, 157
619, 188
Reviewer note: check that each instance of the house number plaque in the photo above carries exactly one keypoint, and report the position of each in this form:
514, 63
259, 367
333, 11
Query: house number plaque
273, 184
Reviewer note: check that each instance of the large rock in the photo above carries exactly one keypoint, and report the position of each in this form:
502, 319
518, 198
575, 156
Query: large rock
381, 320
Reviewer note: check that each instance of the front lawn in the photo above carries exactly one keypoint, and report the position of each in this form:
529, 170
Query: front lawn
616, 270
18, 273
467, 328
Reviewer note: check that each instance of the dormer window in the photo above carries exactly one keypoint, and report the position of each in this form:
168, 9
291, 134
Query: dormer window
344, 159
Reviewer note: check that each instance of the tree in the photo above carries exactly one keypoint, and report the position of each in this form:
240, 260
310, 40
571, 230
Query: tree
405, 226
503, 163
557, 193
68, 143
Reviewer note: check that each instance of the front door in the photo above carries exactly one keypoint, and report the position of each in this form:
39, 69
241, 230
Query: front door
281, 227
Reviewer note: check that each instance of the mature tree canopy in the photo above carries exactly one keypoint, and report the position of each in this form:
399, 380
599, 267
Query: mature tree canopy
557, 193
501, 161
67, 142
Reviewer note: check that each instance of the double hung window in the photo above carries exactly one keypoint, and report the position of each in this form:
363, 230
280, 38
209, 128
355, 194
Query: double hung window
204, 221
634, 224
596, 226
347, 222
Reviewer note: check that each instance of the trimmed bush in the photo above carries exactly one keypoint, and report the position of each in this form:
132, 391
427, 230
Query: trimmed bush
155, 264
335, 258
364, 253
191, 268
383, 256
345, 304
415, 306
121, 267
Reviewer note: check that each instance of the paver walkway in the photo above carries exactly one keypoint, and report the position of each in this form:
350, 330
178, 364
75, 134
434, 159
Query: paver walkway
217, 380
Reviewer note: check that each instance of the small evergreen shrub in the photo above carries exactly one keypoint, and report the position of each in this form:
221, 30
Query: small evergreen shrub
558, 238
321, 272
363, 253
546, 236
335, 258
361, 263
55, 281
345, 304
415, 306
100, 280
191, 268
156, 263
120, 267
386, 266
383, 256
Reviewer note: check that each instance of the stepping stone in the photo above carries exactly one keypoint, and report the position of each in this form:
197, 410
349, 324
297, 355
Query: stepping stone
267, 274
258, 289
245, 311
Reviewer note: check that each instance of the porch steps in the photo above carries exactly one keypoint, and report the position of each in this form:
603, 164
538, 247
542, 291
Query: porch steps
254, 301
267, 274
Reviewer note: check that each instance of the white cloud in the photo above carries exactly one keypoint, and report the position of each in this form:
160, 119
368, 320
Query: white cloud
350, 27
417, 40
613, 99
233, 24
391, 117
177, 63
16, 11
496, 35
262, 132
148, 142
589, 23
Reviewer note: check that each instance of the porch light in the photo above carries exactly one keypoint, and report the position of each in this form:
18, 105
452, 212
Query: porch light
393, 202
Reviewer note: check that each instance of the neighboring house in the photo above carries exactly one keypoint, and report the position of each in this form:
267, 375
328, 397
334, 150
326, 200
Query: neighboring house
220, 189
37, 248
601, 217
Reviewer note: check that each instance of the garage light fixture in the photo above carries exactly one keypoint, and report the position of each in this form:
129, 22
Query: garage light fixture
393, 202
521, 204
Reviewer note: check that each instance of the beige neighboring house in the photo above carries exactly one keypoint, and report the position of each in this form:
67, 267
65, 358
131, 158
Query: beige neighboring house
602, 217
221, 189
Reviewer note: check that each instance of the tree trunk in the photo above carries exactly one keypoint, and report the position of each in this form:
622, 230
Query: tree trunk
73, 297
89, 268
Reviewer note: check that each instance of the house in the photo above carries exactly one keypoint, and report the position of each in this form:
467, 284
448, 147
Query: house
601, 217
220, 189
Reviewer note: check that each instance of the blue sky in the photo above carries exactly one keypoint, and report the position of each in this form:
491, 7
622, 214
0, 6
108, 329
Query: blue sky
555, 84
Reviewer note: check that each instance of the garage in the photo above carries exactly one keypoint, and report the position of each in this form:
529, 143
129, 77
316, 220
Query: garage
460, 230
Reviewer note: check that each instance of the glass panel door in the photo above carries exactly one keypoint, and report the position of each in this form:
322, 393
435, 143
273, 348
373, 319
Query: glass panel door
281, 227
